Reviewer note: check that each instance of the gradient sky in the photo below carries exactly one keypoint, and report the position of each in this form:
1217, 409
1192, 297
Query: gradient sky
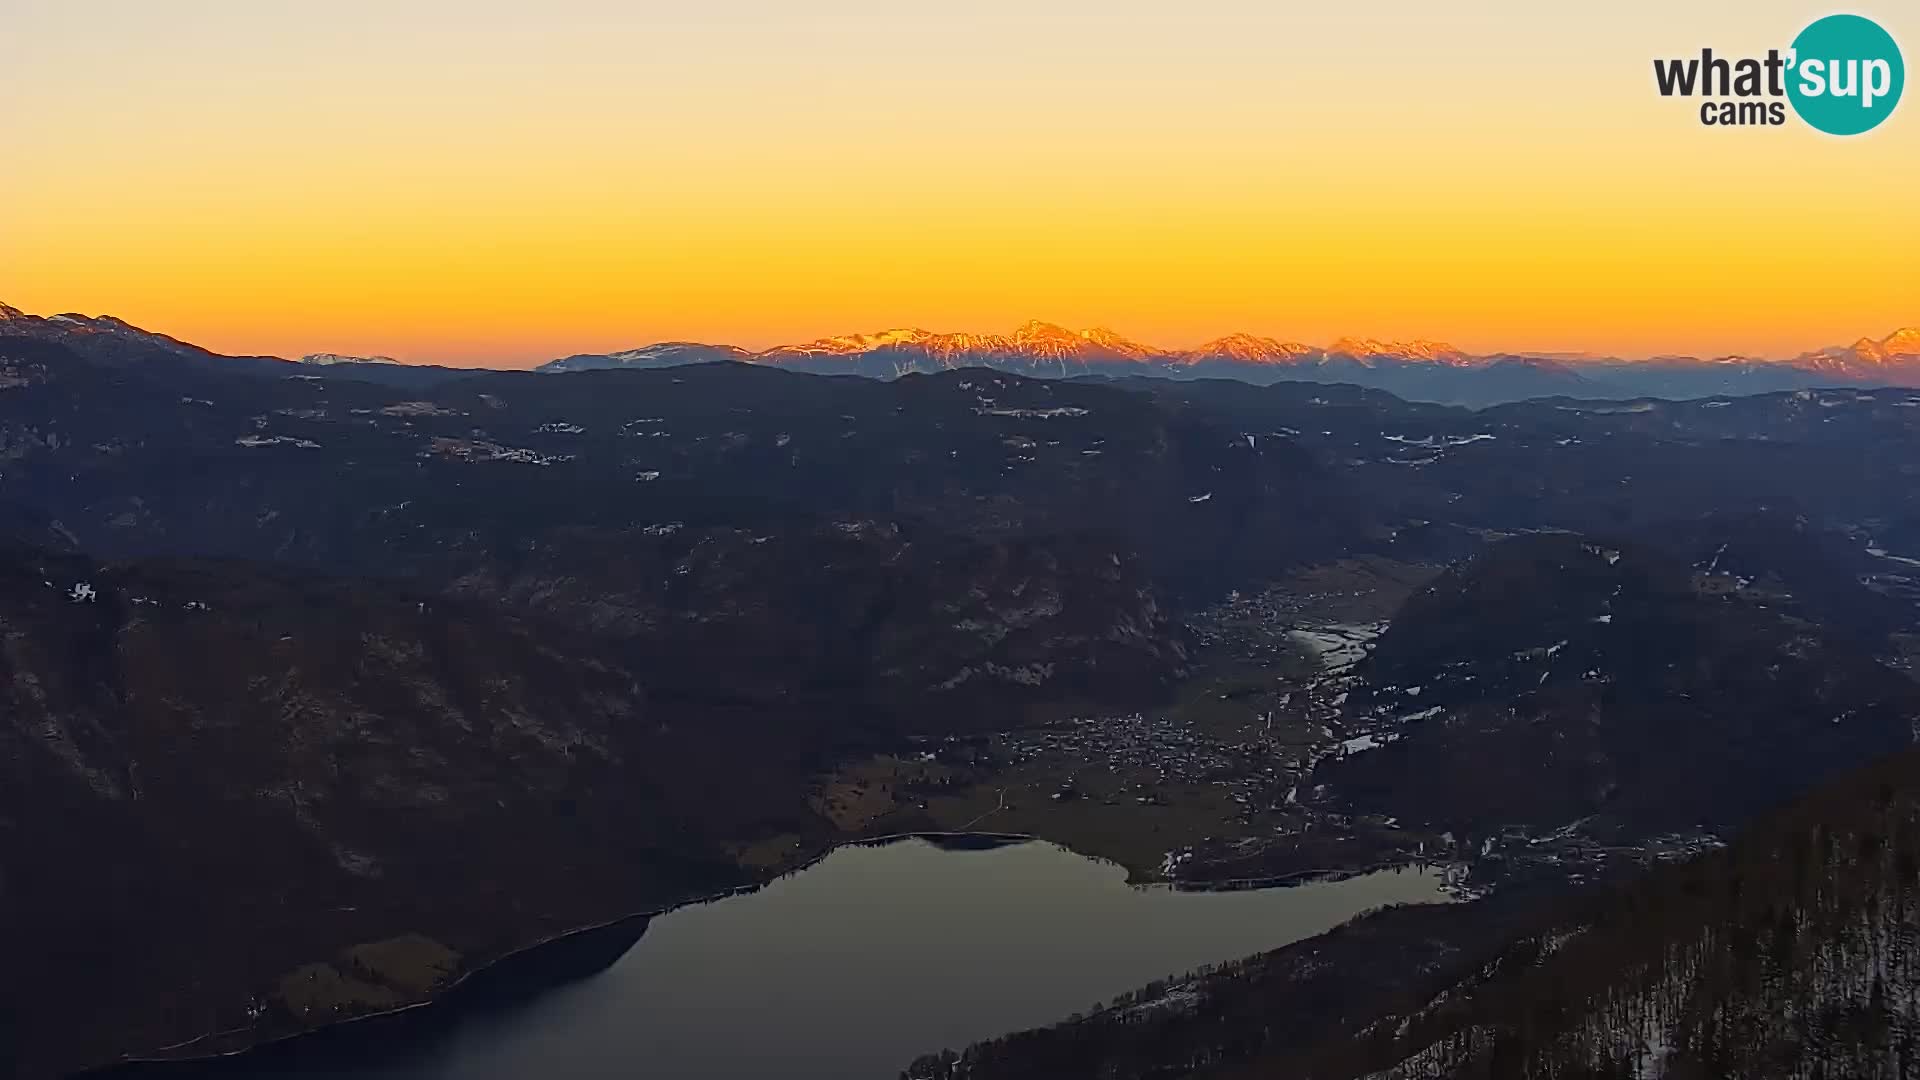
492, 182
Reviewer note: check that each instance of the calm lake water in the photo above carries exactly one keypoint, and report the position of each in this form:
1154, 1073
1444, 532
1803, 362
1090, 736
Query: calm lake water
850, 969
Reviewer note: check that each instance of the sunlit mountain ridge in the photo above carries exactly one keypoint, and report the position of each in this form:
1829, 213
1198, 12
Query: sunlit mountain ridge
1417, 368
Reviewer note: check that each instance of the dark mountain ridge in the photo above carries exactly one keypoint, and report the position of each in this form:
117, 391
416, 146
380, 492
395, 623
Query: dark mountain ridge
1417, 370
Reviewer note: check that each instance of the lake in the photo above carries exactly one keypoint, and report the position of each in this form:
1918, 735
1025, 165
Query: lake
851, 968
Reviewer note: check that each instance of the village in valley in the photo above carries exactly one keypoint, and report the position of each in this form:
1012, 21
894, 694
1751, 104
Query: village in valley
1217, 789
1165, 791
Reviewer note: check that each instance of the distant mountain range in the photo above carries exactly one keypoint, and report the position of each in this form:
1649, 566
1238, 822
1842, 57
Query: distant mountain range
1046, 349
1418, 370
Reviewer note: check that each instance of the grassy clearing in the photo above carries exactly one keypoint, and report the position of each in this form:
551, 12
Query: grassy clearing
861, 793
367, 978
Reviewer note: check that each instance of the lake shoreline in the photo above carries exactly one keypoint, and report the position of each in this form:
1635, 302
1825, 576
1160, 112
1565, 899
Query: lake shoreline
558, 960
164, 1061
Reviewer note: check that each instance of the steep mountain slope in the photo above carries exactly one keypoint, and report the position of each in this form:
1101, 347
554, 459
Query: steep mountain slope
106, 339
1789, 954
115, 343
1609, 690
216, 779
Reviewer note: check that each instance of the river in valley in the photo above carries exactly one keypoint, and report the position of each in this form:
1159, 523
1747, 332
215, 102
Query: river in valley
853, 967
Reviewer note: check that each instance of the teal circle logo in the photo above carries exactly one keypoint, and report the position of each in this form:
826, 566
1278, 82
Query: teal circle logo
1845, 75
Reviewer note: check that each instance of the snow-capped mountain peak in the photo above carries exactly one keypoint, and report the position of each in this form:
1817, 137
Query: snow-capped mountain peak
1902, 342
1866, 356
1250, 349
327, 359
1417, 349
1030, 342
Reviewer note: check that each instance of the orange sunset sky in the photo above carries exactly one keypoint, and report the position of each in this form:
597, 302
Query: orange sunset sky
504, 183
